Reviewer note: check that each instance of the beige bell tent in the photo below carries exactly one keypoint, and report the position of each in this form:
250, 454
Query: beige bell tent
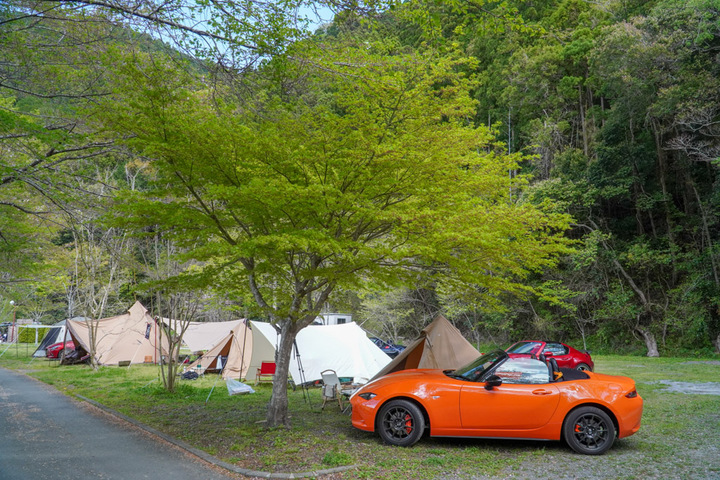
239, 353
440, 345
131, 337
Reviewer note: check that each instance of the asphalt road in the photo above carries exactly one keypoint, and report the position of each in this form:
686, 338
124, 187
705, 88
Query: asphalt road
47, 435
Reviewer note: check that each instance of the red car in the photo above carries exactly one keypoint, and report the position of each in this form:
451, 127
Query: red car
55, 350
565, 355
499, 396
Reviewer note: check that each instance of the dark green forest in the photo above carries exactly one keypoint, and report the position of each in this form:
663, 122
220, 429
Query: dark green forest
530, 168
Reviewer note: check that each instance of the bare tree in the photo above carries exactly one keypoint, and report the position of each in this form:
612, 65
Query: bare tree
178, 309
98, 274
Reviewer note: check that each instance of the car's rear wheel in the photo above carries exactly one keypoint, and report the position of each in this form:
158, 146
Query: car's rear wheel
583, 367
589, 430
401, 423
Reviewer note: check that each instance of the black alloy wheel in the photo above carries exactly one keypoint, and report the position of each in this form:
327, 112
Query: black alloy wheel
401, 423
589, 430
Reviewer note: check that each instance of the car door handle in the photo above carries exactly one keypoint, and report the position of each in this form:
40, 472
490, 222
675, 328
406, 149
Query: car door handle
541, 392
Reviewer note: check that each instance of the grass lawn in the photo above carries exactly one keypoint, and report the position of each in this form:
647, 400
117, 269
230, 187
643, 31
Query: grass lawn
679, 434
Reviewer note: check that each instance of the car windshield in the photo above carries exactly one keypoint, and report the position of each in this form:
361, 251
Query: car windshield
475, 370
524, 347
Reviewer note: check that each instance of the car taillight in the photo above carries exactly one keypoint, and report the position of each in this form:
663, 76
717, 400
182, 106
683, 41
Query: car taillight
632, 394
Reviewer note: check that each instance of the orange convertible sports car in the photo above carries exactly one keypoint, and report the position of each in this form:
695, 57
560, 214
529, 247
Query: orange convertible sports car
502, 397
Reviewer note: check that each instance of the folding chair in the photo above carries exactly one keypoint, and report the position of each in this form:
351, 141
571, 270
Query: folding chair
266, 372
331, 387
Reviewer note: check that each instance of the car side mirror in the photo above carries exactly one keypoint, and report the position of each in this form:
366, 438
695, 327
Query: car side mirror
492, 381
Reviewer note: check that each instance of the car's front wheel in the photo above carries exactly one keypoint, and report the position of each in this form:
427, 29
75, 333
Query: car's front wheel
589, 430
401, 423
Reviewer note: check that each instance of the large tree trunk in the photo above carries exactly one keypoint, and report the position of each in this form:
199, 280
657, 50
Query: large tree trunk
717, 344
667, 196
650, 341
277, 414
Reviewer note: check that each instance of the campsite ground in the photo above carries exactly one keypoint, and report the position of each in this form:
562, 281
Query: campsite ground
679, 429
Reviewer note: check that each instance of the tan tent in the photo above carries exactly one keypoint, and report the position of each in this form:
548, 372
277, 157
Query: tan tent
440, 345
132, 337
239, 353
202, 336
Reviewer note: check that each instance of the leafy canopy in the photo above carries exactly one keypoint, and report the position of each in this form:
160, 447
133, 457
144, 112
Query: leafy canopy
366, 172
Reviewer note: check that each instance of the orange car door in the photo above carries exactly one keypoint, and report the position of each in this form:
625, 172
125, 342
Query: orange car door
512, 407
526, 399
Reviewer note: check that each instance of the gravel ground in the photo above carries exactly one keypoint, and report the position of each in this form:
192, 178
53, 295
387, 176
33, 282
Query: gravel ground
693, 455
622, 462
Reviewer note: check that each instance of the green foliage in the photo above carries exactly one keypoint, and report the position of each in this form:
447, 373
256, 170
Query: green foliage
341, 177
607, 100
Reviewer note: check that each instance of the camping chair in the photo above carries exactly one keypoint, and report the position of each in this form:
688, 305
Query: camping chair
266, 372
331, 387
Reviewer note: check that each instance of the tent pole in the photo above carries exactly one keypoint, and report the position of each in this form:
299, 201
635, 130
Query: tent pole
135, 354
219, 377
303, 382
246, 322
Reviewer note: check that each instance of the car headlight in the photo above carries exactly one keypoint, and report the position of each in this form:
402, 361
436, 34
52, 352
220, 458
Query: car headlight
367, 395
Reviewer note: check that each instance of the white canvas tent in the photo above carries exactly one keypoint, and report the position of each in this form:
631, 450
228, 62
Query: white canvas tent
440, 345
238, 353
344, 348
131, 337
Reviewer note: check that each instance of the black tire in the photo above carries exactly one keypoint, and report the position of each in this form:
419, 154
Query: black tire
400, 423
583, 367
589, 430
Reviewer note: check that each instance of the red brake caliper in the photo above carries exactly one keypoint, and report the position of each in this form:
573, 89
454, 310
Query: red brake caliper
408, 423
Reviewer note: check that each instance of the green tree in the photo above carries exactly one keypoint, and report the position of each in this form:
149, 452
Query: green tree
368, 174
